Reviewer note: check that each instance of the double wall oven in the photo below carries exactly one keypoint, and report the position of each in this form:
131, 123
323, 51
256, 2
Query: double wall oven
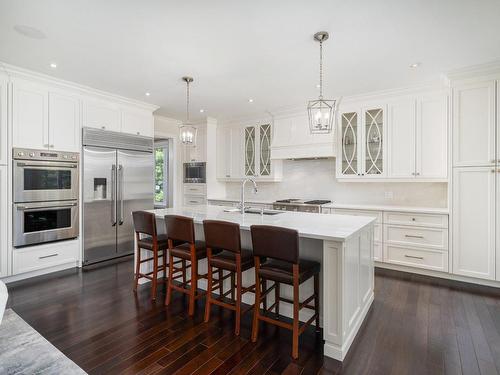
45, 196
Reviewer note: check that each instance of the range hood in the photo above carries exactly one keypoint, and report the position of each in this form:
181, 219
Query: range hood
292, 139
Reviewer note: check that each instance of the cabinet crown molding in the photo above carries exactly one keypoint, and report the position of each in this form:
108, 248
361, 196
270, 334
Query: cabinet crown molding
15, 72
490, 70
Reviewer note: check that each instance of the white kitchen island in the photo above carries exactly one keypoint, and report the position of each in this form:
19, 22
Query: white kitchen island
342, 244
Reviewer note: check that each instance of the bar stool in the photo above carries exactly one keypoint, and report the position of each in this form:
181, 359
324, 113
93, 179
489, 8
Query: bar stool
225, 237
182, 245
147, 238
281, 248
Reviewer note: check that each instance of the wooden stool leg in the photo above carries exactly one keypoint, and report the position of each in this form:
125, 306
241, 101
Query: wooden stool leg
221, 287
295, 324
238, 295
137, 268
256, 306
277, 298
209, 287
316, 300
194, 281
232, 284
155, 273
170, 279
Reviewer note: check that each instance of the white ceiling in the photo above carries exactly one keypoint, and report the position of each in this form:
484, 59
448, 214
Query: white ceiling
238, 50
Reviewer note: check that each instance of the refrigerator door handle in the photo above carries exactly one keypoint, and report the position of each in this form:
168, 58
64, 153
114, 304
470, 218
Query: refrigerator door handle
113, 195
120, 192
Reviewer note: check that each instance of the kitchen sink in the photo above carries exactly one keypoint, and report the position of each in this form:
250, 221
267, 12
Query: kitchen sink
263, 212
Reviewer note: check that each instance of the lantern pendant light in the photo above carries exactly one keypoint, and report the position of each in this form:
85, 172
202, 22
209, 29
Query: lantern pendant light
187, 132
321, 111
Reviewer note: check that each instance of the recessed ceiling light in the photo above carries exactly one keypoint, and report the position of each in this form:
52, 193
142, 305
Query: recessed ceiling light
318, 86
147, 94
250, 100
202, 110
30, 32
415, 65
53, 65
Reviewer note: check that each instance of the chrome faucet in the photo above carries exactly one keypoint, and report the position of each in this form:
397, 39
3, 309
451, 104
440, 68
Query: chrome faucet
242, 203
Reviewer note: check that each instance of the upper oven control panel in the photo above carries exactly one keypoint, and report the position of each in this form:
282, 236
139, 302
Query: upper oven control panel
31, 154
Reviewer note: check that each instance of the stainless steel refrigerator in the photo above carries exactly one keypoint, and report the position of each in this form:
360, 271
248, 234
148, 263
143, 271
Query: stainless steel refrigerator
118, 178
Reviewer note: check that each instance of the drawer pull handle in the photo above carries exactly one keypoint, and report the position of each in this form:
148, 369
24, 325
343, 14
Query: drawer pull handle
413, 219
193, 201
413, 236
48, 256
414, 257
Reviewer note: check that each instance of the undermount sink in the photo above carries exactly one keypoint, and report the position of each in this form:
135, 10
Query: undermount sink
262, 212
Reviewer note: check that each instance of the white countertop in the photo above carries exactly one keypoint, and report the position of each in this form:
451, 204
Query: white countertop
309, 225
426, 210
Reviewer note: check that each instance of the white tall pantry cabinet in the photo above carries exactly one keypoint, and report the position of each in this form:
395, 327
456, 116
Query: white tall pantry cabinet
476, 179
3, 177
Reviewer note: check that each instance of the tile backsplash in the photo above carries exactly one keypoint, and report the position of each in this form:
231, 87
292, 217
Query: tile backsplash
316, 179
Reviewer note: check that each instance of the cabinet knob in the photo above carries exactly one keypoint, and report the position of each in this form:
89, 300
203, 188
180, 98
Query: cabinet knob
418, 173
138, 133
51, 146
103, 127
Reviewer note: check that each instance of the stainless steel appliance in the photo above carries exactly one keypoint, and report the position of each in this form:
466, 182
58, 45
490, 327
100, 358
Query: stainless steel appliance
300, 205
45, 195
118, 178
195, 172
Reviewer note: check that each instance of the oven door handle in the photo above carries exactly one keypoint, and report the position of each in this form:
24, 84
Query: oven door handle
120, 192
47, 165
113, 195
33, 208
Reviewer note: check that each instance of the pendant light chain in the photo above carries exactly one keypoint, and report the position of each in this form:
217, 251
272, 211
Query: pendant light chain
321, 69
187, 101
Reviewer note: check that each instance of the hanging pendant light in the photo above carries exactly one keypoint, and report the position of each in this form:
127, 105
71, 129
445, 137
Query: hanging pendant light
321, 111
187, 132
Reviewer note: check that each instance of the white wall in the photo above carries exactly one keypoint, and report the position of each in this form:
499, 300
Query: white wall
316, 179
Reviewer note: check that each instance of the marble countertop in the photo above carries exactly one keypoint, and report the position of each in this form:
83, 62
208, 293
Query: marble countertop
309, 225
413, 209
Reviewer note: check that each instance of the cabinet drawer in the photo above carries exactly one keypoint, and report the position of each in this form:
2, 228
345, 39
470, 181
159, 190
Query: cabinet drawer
376, 214
416, 236
195, 189
421, 258
43, 256
192, 200
377, 251
421, 220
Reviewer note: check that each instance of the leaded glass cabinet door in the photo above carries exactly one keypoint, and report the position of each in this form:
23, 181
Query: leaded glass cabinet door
349, 129
265, 149
373, 139
250, 151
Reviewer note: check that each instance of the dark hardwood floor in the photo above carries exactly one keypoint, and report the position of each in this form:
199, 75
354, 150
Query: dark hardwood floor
417, 325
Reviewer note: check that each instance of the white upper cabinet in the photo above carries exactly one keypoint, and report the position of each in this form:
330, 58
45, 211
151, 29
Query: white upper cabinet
45, 119
401, 138
229, 153
4, 186
137, 122
257, 153
64, 122
3, 121
432, 136
30, 115
474, 221
474, 132
101, 115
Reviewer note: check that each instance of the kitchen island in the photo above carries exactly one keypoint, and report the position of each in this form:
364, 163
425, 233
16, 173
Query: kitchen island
342, 244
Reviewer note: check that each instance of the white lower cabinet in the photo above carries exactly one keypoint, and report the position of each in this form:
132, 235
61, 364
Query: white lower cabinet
474, 231
28, 259
4, 265
416, 257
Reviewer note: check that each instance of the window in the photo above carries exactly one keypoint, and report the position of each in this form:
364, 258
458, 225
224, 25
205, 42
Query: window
161, 174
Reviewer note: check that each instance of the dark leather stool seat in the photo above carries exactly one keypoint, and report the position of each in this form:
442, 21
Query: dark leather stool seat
282, 272
183, 250
225, 254
276, 252
227, 260
146, 242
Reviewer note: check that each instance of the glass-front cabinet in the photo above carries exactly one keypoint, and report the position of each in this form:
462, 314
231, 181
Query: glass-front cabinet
362, 143
257, 151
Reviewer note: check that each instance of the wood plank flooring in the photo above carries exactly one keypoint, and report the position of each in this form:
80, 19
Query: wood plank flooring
417, 325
